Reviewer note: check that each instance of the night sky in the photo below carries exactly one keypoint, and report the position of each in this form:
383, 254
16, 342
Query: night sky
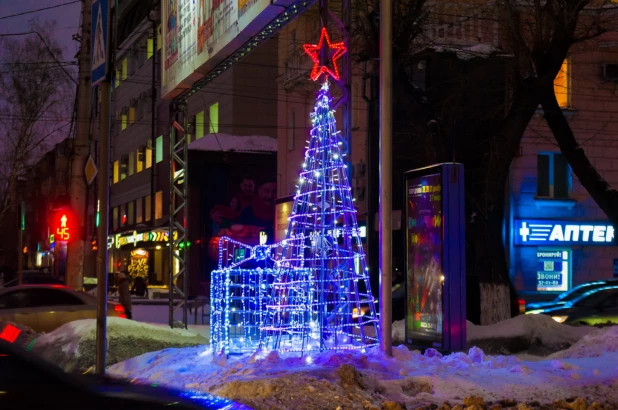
67, 18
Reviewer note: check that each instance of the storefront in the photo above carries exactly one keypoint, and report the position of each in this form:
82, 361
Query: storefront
143, 254
551, 256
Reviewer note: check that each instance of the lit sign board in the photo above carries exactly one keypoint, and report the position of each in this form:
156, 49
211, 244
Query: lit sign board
534, 232
134, 238
197, 35
553, 270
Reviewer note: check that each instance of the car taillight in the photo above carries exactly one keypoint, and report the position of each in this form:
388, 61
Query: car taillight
120, 310
522, 305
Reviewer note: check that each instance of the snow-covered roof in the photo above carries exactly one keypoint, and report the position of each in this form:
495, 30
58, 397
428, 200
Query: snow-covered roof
235, 143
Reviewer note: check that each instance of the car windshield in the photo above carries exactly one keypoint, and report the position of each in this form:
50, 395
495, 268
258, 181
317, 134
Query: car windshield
593, 298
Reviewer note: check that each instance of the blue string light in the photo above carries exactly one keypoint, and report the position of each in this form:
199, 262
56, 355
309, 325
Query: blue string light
311, 291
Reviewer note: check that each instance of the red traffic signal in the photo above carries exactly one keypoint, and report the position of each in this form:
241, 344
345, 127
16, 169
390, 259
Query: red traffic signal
62, 225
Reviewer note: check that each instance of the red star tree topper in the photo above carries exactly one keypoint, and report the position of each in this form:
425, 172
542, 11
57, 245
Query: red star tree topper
333, 52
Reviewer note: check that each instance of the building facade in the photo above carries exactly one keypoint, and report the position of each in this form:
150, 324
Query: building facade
558, 237
235, 113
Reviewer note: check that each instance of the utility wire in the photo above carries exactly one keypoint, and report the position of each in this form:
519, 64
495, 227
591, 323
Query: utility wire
37, 10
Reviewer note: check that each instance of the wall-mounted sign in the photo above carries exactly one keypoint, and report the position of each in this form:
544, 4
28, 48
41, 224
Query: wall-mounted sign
535, 232
553, 273
151, 236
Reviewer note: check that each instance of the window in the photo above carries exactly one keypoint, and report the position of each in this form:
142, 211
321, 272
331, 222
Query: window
553, 176
132, 115
131, 163
159, 205
123, 122
150, 48
123, 214
213, 117
291, 129
139, 158
116, 172
131, 213
117, 78
124, 165
159, 149
149, 155
148, 208
115, 218
125, 69
199, 125
139, 211
159, 38
562, 84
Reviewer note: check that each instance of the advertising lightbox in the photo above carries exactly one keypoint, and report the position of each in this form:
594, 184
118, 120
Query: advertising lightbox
199, 34
435, 257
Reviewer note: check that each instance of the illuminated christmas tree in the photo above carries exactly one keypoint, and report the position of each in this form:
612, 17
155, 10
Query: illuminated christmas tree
321, 297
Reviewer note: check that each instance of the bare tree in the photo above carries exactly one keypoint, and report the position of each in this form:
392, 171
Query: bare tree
36, 100
532, 38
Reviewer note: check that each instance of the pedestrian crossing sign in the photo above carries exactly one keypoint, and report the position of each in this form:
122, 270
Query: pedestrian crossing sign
99, 41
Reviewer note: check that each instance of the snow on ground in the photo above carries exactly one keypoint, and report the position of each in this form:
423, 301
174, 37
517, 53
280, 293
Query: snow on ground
72, 345
593, 345
353, 379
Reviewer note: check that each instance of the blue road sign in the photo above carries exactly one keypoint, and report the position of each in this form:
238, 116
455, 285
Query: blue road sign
99, 41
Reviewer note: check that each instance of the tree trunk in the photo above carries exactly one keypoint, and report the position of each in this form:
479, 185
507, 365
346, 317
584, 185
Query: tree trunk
600, 191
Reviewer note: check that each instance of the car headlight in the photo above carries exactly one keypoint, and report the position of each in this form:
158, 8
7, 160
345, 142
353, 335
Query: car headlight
560, 319
535, 312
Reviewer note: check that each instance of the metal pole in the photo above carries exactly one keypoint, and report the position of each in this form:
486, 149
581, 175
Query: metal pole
386, 169
103, 254
20, 245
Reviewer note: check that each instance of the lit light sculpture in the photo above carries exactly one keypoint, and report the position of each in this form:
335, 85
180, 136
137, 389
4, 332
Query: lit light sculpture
311, 291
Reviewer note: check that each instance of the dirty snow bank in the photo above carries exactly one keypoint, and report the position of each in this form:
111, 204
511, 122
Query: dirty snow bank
369, 380
592, 345
72, 346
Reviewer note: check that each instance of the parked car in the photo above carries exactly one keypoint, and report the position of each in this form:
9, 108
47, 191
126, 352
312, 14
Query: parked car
595, 307
34, 277
569, 296
27, 382
47, 307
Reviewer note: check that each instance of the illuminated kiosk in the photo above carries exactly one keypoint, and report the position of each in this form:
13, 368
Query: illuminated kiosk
435, 257
311, 291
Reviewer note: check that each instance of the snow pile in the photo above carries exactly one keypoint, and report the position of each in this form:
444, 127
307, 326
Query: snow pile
538, 333
72, 346
592, 345
352, 379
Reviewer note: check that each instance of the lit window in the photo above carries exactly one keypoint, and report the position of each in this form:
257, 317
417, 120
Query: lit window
213, 118
159, 149
125, 69
159, 38
117, 79
150, 48
131, 213
116, 176
139, 210
132, 115
123, 122
124, 166
148, 208
553, 176
123, 214
562, 84
159, 205
149, 155
139, 159
199, 125
131, 163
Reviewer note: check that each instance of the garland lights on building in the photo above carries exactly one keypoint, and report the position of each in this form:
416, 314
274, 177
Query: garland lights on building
311, 291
